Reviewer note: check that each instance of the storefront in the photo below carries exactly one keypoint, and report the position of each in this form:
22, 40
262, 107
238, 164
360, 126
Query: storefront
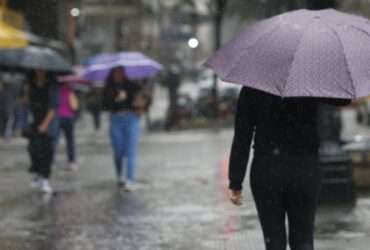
11, 25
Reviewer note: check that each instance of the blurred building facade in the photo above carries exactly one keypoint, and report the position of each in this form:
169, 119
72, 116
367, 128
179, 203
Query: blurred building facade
180, 21
361, 7
41, 16
115, 25
45, 21
160, 28
10, 17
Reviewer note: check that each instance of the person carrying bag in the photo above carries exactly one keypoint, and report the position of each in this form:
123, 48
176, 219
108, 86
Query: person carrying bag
67, 109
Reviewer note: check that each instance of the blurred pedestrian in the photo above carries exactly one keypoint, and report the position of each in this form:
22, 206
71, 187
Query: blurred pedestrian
9, 88
23, 108
43, 103
285, 176
3, 113
123, 99
15, 124
68, 105
363, 111
94, 106
147, 91
172, 81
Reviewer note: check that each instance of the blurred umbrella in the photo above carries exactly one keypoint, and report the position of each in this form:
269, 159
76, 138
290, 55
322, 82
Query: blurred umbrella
137, 66
75, 78
101, 58
44, 58
301, 53
33, 57
11, 37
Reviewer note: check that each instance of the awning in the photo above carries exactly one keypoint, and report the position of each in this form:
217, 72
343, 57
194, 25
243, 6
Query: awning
11, 37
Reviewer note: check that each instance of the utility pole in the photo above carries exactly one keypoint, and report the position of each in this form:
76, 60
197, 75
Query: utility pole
73, 10
218, 19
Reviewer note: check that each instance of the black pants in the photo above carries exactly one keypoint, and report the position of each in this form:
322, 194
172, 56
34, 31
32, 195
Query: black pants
286, 186
41, 150
3, 122
96, 115
66, 125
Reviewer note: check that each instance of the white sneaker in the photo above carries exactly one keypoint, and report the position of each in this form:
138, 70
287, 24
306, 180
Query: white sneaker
45, 187
121, 180
35, 182
131, 186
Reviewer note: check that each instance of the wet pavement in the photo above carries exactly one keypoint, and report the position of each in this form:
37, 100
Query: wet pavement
180, 204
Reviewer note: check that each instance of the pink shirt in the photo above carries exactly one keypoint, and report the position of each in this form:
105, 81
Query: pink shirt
64, 108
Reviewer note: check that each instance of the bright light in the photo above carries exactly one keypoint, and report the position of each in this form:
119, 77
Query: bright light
193, 43
75, 12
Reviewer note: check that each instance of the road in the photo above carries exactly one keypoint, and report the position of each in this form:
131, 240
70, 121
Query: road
181, 202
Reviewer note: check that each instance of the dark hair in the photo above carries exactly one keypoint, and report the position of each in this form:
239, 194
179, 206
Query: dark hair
50, 77
109, 82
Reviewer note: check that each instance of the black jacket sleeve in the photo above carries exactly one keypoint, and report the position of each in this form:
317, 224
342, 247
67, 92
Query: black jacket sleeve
108, 99
245, 121
53, 101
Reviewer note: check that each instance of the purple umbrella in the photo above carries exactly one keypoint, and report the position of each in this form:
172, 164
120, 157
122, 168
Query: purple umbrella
300, 54
101, 58
75, 78
137, 66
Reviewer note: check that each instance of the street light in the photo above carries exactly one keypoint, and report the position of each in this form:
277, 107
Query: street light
193, 43
75, 12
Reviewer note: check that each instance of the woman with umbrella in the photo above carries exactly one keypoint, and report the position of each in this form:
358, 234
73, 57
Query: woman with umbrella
67, 108
285, 175
123, 99
42, 98
289, 64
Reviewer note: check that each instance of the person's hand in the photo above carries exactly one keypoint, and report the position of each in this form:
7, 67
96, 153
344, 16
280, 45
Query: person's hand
122, 95
236, 197
42, 129
140, 102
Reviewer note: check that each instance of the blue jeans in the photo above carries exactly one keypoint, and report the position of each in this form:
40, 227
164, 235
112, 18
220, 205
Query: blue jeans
67, 126
125, 133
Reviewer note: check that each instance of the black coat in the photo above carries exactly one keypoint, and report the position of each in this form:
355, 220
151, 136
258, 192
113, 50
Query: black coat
279, 125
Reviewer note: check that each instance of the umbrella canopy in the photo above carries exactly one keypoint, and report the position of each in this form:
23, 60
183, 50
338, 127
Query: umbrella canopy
103, 57
75, 78
300, 54
33, 57
137, 66
11, 37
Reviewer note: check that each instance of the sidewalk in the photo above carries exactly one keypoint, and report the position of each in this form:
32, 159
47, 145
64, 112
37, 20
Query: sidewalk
181, 203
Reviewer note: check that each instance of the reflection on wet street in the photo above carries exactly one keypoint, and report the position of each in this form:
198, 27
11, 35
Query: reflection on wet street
181, 202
